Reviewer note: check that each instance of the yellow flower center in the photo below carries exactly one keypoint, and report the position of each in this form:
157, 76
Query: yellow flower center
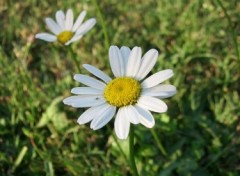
122, 91
64, 36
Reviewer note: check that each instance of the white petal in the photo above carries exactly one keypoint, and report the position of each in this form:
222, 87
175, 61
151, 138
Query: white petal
131, 114
74, 38
148, 61
81, 101
46, 36
86, 90
89, 81
145, 117
60, 18
96, 72
104, 115
90, 114
121, 125
160, 91
157, 78
116, 61
86, 26
152, 104
53, 26
69, 19
134, 62
125, 54
79, 21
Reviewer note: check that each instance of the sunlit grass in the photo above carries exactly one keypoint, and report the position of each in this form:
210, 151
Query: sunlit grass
39, 135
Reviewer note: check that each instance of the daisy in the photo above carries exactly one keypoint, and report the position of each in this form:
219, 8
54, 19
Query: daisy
64, 30
128, 95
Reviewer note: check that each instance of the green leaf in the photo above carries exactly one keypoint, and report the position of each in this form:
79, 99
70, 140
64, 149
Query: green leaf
53, 114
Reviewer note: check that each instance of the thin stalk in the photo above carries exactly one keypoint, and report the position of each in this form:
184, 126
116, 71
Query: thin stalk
24, 69
158, 142
233, 32
103, 24
73, 57
131, 152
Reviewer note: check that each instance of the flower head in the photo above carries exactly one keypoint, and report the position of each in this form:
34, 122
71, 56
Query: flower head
64, 30
129, 95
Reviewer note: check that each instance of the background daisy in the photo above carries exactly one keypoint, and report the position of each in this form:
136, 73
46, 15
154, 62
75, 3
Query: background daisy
64, 29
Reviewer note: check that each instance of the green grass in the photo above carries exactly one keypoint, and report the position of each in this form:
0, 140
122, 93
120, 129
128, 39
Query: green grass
200, 131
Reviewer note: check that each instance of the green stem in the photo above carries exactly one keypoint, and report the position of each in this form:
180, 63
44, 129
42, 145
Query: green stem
131, 151
24, 69
159, 144
233, 33
73, 57
103, 24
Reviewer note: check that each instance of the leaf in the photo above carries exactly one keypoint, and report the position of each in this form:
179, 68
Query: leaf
53, 114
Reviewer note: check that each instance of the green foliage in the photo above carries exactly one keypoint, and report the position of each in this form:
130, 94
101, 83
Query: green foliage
200, 131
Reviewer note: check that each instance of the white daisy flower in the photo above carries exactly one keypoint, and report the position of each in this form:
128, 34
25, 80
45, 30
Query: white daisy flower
128, 95
64, 30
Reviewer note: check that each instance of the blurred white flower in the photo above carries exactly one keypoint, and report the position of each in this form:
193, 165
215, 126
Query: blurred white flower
127, 96
64, 30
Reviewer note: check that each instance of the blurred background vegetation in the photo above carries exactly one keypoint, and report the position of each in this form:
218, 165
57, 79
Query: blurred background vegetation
200, 131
